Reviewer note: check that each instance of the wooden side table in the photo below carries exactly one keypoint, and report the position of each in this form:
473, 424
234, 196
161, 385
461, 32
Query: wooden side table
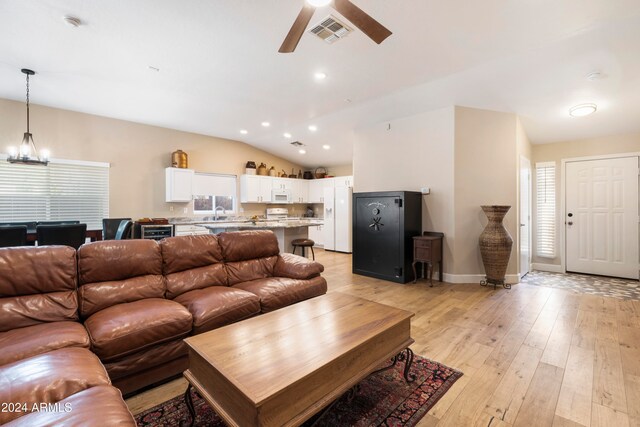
427, 249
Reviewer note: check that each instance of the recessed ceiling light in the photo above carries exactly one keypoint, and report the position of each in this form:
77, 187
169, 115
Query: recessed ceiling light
265, 124
326, 146
318, 3
244, 131
72, 21
313, 128
583, 110
302, 151
286, 135
320, 76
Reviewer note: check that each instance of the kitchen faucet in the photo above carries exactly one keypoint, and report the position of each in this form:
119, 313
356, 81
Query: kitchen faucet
215, 211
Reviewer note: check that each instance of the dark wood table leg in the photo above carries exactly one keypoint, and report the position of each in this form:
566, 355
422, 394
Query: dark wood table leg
431, 275
189, 401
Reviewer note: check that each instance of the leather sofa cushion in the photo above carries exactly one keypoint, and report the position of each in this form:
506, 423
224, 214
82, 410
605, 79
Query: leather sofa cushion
97, 406
49, 378
114, 260
94, 297
278, 292
196, 278
145, 359
218, 306
252, 269
37, 270
28, 310
128, 328
244, 245
185, 252
296, 267
22, 343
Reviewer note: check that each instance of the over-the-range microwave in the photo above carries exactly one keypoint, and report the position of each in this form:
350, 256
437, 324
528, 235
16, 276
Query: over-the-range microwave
280, 196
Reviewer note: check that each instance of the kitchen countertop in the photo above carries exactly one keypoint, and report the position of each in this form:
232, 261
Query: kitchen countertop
262, 224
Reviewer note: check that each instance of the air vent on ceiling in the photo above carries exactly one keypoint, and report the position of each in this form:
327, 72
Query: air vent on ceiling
331, 29
297, 144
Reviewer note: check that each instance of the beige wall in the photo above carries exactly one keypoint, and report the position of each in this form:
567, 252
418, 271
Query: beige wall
340, 170
556, 152
486, 172
137, 153
416, 152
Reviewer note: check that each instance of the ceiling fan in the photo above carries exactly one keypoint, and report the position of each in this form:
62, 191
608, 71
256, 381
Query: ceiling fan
365, 23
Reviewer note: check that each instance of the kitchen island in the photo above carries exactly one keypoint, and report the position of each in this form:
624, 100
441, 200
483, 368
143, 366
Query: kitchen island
286, 231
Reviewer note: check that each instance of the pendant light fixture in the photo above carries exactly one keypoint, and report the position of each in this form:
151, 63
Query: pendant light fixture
27, 153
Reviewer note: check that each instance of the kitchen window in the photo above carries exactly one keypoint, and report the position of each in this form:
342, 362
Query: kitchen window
213, 191
63, 190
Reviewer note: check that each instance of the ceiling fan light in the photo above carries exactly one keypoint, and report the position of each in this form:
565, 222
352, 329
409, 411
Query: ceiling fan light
318, 3
583, 110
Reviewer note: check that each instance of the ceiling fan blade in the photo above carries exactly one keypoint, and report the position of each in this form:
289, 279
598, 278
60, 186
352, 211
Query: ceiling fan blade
365, 23
297, 29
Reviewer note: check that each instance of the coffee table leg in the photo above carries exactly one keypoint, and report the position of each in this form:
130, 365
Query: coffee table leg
188, 400
407, 356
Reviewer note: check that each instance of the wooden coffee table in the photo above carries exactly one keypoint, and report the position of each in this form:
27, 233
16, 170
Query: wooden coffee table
281, 368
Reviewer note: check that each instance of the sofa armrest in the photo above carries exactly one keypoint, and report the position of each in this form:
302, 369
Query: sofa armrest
296, 267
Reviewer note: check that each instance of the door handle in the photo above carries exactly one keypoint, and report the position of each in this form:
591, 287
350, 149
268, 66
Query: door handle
570, 223
522, 225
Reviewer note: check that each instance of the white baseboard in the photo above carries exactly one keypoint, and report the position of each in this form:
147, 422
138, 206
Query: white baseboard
476, 278
552, 268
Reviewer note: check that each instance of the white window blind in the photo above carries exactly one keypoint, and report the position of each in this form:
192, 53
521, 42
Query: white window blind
214, 190
63, 190
546, 209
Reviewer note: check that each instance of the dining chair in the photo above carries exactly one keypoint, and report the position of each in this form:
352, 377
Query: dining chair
13, 235
73, 235
110, 227
63, 222
31, 225
124, 230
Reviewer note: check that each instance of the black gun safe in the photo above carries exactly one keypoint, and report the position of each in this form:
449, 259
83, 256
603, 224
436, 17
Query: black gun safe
384, 224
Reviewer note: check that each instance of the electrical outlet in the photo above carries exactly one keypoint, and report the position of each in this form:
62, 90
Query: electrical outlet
425, 190
185, 210
170, 208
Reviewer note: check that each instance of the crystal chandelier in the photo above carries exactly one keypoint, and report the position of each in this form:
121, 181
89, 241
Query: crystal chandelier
27, 153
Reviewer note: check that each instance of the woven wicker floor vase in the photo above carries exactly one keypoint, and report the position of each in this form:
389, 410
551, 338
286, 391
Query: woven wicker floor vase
495, 244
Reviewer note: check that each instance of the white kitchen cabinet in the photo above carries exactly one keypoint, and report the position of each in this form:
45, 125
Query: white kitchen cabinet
283, 183
190, 230
343, 181
316, 234
179, 184
316, 189
255, 189
300, 191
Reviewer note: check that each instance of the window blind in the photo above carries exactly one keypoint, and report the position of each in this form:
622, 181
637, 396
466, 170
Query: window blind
546, 209
63, 190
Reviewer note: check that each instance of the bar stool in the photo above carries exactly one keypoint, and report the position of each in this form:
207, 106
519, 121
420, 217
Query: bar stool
304, 243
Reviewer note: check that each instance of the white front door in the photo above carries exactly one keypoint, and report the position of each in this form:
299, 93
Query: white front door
525, 215
602, 217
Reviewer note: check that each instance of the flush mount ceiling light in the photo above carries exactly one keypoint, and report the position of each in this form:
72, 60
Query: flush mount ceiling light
318, 3
27, 153
326, 146
302, 151
244, 131
265, 124
313, 128
583, 110
286, 135
320, 75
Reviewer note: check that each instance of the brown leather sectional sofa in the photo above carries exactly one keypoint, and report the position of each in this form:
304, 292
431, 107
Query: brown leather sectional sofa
74, 325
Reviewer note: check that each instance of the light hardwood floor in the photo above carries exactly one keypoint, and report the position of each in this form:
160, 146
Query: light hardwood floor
531, 356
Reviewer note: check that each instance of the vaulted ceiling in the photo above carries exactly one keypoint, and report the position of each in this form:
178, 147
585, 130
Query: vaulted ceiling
220, 70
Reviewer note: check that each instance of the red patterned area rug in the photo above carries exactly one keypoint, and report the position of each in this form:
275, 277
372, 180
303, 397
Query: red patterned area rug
382, 399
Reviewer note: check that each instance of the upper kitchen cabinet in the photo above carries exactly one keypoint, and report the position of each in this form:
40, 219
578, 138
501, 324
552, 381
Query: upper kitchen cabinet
179, 184
300, 191
316, 189
255, 189
283, 183
343, 181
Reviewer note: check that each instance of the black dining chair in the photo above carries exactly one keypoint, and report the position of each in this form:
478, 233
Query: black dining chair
110, 227
124, 230
13, 235
31, 225
73, 235
64, 222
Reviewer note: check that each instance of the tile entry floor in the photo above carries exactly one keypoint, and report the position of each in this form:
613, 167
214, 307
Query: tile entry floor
585, 284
